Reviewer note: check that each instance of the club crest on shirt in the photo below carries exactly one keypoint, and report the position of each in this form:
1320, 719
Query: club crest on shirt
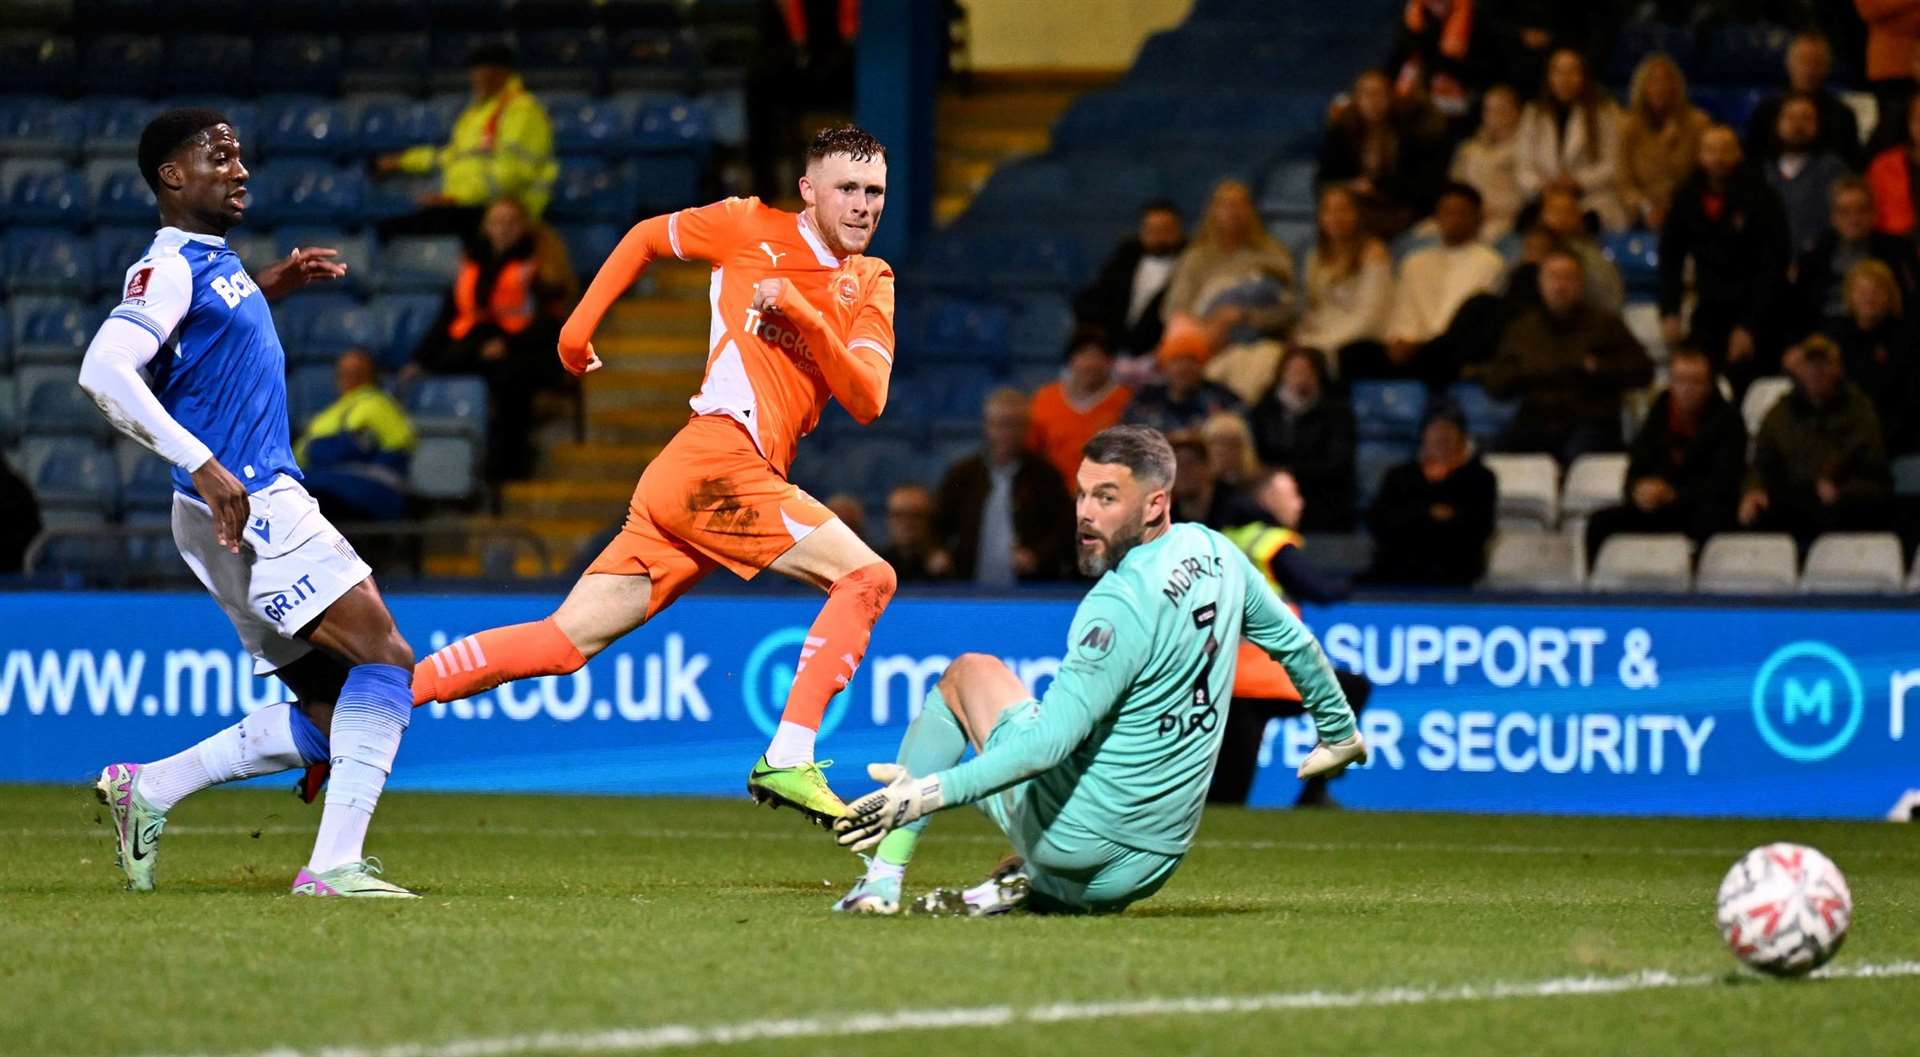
846, 289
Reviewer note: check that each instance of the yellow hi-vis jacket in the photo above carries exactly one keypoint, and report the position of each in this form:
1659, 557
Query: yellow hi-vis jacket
502, 147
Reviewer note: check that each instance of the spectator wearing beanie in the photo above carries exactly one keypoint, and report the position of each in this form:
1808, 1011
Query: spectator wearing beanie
1085, 400
1185, 399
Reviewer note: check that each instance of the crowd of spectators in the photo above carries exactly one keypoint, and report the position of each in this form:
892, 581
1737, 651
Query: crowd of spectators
1470, 198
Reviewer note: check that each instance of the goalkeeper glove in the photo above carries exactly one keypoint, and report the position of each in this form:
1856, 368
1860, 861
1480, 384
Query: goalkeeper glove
1329, 759
903, 799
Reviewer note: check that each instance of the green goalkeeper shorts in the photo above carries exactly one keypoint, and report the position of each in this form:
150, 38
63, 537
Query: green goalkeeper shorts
1072, 869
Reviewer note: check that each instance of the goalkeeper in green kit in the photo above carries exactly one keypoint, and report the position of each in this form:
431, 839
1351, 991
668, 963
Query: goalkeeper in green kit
1099, 786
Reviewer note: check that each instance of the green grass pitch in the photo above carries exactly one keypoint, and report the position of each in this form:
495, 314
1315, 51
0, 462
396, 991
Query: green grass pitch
574, 925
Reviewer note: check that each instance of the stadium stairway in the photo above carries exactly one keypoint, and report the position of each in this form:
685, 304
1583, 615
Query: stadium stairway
1000, 117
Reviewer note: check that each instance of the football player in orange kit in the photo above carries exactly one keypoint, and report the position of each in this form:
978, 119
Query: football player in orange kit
799, 315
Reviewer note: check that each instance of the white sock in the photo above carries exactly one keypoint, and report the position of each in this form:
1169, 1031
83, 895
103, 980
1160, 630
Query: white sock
260, 744
792, 745
373, 711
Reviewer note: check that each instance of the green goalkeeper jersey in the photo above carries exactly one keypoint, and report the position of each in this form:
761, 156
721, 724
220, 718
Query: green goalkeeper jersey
1123, 744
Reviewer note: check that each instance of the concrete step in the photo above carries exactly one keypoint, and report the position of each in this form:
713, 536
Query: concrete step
644, 346
600, 501
637, 425
654, 316
992, 142
598, 462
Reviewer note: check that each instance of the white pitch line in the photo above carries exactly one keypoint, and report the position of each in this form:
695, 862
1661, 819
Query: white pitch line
665, 1036
967, 838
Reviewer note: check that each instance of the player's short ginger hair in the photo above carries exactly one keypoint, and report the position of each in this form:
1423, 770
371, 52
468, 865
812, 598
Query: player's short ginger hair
851, 140
1141, 449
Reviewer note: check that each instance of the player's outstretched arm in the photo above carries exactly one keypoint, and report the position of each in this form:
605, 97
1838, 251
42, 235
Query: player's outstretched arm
901, 799
858, 369
1268, 624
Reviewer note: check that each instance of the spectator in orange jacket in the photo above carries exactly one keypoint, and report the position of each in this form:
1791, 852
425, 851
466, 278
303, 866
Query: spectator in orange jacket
1891, 176
1067, 413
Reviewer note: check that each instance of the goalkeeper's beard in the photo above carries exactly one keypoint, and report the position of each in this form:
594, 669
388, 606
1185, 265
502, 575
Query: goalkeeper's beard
1106, 552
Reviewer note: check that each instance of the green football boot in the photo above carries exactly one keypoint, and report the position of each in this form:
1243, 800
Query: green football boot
803, 788
136, 825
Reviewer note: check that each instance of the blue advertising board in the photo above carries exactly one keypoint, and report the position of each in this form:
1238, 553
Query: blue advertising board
1675, 709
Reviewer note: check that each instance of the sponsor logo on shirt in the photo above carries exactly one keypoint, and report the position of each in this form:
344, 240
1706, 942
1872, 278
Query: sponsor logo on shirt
137, 285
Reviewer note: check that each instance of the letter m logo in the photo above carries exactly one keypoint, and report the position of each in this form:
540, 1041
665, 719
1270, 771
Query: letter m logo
1098, 639
1817, 703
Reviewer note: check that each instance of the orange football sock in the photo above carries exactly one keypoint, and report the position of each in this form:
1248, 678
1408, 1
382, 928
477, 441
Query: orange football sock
477, 663
835, 644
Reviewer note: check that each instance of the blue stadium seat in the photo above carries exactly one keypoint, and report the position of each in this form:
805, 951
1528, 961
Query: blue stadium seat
307, 126
147, 484
1637, 255
32, 127
202, 63
121, 194
253, 246
589, 189
114, 124
56, 407
672, 124
1753, 54
1388, 411
1730, 105
59, 197
563, 60
958, 330
589, 245
663, 182
1487, 418
404, 321
452, 405
448, 72
872, 467
306, 192
651, 59
356, 252
333, 332
10, 412
443, 468
50, 330
48, 261
1288, 188
1637, 40
1022, 189
37, 63
1040, 331
297, 62
120, 63
386, 62
78, 477
309, 390
294, 318
115, 250
1043, 260
1371, 461
418, 264
583, 125
395, 124
727, 111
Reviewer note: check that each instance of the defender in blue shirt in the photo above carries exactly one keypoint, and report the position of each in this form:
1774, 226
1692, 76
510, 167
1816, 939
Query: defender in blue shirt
302, 601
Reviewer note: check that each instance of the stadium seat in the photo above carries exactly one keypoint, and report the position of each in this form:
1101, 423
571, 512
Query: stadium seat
1762, 394
113, 125
589, 245
383, 124
1021, 188
120, 63
56, 407
1288, 189
404, 320
32, 127
1529, 492
443, 469
1748, 563
962, 330
727, 110
453, 405
1637, 255
10, 413
297, 62
334, 332
592, 190
306, 126
1594, 482
1906, 476
37, 63
1643, 563
147, 484
117, 249
386, 62
254, 247
309, 390
204, 63
1371, 461
1853, 563
660, 182
668, 124
1637, 39
418, 264
356, 252
48, 261
306, 192
60, 196
1534, 561
584, 125
50, 330
121, 194
1043, 260
651, 59
1750, 54
1388, 411
1487, 418
1107, 186
1040, 331
1731, 105
564, 60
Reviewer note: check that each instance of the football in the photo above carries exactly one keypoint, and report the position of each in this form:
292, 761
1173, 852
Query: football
1784, 909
